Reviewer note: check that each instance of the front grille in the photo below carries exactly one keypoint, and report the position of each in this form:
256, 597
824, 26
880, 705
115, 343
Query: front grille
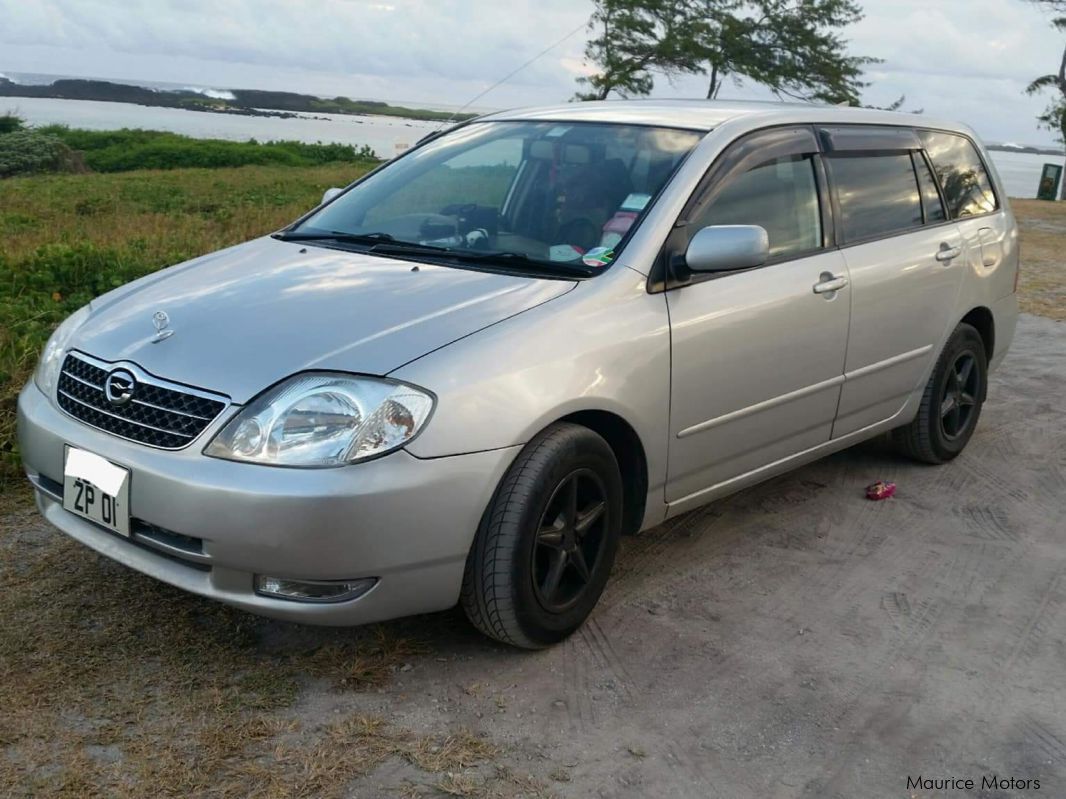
159, 414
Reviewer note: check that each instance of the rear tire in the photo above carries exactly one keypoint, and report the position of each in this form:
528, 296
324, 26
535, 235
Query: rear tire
546, 544
951, 403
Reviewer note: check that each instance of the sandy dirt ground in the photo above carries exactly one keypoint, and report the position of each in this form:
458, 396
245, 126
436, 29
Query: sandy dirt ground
799, 640
793, 640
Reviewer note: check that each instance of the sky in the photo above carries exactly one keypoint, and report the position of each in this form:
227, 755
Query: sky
962, 59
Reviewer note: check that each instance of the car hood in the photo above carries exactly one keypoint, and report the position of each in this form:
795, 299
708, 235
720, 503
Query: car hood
246, 317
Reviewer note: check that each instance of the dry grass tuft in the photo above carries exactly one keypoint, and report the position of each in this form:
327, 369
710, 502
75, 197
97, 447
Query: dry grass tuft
371, 667
122, 686
503, 784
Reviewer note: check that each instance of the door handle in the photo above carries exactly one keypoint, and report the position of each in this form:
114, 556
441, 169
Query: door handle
947, 252
828, 284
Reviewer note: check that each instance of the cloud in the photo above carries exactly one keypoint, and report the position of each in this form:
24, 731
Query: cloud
401, 39
969, 59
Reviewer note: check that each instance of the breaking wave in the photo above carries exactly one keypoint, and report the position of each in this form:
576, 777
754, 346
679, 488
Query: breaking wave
214, 94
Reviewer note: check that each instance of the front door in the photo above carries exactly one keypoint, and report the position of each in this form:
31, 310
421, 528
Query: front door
757, 354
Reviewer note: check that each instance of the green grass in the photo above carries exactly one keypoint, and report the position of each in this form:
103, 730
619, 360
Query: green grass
343, 105
65, 239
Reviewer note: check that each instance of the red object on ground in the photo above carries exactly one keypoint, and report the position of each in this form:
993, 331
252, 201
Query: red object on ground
880, 490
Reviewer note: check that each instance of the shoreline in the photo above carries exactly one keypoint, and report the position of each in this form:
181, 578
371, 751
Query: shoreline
239, 102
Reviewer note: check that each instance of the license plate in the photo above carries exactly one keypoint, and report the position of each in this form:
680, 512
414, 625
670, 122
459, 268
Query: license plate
96, 489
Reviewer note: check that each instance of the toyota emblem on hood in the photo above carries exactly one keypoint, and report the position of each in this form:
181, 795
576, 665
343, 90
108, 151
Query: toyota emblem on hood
162, 326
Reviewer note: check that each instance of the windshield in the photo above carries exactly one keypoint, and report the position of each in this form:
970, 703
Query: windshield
554, 195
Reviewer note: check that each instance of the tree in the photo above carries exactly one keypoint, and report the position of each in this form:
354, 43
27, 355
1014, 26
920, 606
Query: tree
793, 47
1054, 115
625, 49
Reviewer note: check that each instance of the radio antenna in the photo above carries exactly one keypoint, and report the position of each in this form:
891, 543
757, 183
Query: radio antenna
512, 73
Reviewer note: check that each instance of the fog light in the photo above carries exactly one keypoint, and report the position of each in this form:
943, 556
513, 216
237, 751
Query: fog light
312, 590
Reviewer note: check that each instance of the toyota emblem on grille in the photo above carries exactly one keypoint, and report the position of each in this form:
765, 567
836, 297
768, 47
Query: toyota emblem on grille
162, 326
119, 386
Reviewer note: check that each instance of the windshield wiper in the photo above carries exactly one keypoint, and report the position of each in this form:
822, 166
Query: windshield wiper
524, 262
394, 247
384, 243
336, 235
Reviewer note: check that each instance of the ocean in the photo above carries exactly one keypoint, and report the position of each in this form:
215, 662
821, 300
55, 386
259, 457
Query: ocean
1020, 172
387, 136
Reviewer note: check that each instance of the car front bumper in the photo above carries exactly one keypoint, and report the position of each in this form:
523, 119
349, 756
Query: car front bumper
406, 521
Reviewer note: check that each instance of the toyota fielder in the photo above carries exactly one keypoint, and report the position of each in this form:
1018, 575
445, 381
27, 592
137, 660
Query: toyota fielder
465, 376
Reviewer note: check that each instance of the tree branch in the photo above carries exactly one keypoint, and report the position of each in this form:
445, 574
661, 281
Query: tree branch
1062, 72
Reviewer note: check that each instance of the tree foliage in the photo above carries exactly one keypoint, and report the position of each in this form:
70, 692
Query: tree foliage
1054, 115
793, 47
624, 47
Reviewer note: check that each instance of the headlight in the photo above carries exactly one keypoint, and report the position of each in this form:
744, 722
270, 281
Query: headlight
52, 354
323, 419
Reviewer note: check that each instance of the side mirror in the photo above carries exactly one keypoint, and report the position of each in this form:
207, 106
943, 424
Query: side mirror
329, 194
721, 248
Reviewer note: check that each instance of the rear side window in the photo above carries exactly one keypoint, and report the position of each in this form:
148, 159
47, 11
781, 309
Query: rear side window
878, 194
967, 187
780, 196
934, 209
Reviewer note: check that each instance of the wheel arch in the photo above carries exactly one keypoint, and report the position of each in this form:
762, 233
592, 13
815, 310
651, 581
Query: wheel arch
632, 460
982, 320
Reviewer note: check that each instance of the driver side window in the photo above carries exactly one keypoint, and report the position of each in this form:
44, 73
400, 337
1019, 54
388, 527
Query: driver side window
780, 195
480, 176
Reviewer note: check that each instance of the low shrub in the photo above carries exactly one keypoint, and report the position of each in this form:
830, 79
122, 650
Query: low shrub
10, 122
27, 152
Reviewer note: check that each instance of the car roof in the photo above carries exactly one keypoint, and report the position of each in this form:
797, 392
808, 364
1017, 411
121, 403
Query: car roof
706, 115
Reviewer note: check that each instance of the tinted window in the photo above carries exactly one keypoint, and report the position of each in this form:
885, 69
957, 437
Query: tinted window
779, 195
934, 209
967, 188
878, 194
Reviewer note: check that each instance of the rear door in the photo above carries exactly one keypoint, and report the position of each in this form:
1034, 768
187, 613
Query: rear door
906, 264
757, 355
968, 196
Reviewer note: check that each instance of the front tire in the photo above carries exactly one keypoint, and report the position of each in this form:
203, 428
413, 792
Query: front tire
951, 403
546, 544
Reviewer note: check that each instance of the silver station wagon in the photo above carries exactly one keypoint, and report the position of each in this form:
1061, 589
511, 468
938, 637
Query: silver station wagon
465, 376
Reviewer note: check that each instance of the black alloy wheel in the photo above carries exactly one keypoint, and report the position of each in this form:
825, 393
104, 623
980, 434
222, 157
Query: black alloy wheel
951, 402
547, 541
569, 541
958, 399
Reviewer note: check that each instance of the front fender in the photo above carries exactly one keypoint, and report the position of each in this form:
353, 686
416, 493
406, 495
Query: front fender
604, 346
